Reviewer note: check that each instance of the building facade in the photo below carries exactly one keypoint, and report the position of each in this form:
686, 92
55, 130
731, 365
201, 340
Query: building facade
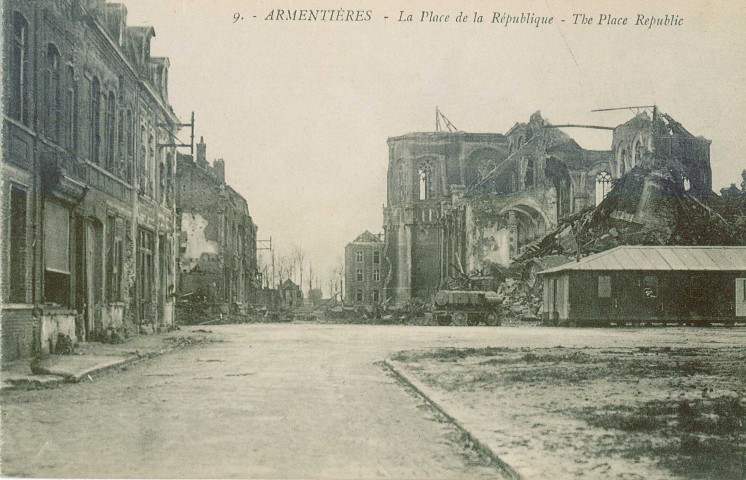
87, 175
460, 203
218, 256
364, 270
649, 284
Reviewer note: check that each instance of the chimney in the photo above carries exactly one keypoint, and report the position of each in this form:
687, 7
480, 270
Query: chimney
202, 153
218, 167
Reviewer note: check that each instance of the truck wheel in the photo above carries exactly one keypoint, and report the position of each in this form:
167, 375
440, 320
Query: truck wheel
460, 318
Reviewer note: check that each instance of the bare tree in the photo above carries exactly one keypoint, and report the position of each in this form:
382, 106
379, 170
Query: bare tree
299, 259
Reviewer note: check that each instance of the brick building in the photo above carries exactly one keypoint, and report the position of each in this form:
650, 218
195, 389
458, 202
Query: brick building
364, 270
87, 175
218, 256
461, 202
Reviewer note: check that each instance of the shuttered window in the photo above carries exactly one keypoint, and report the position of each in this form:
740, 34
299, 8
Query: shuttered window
56, 237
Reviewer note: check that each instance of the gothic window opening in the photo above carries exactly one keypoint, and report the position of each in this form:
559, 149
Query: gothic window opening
687, 183
529, 178
427, 183
19, 95
603, 186
637, 153
623, 162
52, 97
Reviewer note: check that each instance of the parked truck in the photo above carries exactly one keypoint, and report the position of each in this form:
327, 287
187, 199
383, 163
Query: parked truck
467, 307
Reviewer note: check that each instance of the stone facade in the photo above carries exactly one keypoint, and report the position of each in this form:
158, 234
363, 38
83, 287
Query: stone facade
365, 270
459, 203
218, 256
87, 172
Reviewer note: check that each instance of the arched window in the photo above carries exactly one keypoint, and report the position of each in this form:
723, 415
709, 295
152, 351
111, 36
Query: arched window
52, 98
623, 162
95, 120
637, 153
18, 88
529, 178
71, 132
603, 186
687, 183
427, 181
109, 129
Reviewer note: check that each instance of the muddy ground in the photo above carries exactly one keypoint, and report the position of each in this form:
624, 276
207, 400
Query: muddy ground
632, 412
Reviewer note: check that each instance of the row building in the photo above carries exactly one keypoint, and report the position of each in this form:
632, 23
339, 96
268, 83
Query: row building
218, 245
92, 230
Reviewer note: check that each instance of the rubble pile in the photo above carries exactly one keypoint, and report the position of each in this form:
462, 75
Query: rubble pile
647, 206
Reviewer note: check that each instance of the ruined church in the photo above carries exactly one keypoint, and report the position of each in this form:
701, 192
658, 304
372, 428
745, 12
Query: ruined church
461, 203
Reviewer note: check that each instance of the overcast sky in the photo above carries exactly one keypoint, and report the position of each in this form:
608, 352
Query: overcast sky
301, 111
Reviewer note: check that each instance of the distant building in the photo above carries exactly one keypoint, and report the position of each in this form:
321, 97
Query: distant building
290, 294
364, 270
649, 284
218, 257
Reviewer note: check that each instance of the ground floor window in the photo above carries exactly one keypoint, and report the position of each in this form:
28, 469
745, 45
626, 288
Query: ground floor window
359, 295
376, 296
56, 253
17, 242
145, 275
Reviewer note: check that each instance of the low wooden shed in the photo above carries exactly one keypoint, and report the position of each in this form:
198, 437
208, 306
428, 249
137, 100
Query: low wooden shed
649, 284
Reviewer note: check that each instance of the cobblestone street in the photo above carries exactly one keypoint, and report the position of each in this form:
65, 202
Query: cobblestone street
268, 401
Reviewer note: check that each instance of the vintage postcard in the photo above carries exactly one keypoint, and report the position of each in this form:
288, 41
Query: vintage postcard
394, 239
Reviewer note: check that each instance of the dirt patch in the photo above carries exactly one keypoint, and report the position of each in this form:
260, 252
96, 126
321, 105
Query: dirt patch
600, 413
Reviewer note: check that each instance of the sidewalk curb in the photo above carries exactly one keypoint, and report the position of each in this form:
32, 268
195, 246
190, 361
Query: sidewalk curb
31, 383
480, 445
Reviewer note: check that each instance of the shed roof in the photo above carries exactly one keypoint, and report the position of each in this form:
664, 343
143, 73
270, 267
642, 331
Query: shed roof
719, 258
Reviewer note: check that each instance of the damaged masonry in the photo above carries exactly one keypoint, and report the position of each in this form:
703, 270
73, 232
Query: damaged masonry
466, 205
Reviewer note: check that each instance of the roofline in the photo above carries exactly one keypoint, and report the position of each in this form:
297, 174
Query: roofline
445, 135
568, 266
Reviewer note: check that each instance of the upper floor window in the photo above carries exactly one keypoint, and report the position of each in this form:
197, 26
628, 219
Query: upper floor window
359, 256
18, 75
109, 129
359, 275
376, 257
603, 186
71, 131
95, 117
52, 98
376, 275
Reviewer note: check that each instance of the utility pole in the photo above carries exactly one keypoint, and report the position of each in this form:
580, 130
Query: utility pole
267, 245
